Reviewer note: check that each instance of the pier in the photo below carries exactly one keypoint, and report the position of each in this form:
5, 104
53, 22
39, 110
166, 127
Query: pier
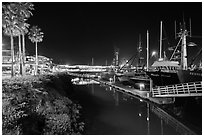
158, 95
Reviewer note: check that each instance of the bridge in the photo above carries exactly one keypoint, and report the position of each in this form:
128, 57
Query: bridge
178, 90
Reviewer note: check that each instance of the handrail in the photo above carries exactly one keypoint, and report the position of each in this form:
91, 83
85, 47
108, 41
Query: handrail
178, 89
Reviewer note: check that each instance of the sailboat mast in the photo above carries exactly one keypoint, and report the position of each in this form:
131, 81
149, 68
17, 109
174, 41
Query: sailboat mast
139, 49
160, 51
184, 64
147, 50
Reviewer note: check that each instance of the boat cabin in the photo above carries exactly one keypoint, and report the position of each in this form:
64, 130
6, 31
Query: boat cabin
166, 65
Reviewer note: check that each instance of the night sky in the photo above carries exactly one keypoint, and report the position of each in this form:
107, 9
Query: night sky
76, 32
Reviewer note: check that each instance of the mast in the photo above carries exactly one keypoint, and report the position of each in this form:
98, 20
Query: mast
183, 34
139, 49
160, 51
92, 61
184, 51
147, 50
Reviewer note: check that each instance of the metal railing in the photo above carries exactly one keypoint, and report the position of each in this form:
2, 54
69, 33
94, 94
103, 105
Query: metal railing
178, 90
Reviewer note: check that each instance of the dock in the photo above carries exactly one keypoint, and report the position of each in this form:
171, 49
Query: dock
136, 92
158, 95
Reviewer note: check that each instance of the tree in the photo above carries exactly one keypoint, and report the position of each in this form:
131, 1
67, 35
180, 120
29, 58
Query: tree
10, 25
23, 11
13, 21
35, 35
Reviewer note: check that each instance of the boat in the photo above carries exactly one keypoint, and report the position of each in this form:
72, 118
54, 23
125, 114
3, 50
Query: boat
82, 81
168, 72
125, 77
132, 73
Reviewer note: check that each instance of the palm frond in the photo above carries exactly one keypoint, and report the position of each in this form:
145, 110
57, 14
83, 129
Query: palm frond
35, 34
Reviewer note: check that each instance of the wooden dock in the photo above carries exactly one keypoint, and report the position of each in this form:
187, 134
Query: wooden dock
140, 93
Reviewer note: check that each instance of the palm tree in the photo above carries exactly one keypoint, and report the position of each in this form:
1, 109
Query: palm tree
24, 12
10, 25
35, 35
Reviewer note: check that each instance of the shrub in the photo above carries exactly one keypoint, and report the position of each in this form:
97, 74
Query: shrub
38, 105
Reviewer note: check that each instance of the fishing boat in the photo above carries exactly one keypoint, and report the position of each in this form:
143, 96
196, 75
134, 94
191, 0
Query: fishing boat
168, 72
132, 73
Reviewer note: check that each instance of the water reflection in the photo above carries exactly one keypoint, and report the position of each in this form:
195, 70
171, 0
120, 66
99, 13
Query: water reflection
83, 81
113, 112
92, 88
116, 97
149, 119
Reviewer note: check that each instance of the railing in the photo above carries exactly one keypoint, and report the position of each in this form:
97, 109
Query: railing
184, 89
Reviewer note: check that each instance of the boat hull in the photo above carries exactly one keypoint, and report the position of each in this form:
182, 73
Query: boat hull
170, 78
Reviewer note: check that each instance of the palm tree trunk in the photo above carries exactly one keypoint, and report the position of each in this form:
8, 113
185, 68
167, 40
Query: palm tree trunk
20, 54
12, 55
23, 55
36, 58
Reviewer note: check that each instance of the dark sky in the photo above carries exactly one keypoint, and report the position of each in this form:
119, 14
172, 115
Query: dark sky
76, 32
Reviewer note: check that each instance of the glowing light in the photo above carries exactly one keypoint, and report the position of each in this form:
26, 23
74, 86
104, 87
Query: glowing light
147, 119
191, 44
154, 53
140, 114
110, 79
161, 59
141, 86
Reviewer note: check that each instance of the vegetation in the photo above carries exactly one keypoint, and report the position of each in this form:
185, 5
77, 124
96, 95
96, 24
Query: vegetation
14, 17
35, 35
39, 105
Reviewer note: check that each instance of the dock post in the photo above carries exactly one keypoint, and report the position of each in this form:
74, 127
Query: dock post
151, 85
114, 78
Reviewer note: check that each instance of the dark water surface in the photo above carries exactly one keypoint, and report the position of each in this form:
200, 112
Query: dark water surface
110, 112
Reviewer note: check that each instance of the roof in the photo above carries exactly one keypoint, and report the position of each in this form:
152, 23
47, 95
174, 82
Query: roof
166, 63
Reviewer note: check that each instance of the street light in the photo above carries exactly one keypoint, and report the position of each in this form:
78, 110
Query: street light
154, 53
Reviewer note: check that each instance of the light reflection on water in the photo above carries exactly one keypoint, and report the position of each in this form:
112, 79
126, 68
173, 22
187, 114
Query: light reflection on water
122, 114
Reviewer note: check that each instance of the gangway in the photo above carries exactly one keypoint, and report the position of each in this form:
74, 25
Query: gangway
178, 90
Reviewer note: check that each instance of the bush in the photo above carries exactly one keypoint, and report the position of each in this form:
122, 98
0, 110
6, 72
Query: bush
39, 105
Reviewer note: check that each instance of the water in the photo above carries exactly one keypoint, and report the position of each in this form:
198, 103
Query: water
110, 112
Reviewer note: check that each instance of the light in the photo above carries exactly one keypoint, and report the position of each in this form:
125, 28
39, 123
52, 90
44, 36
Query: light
141, 100
140, 114
161, 59
110, 79
147, 119
141, 85
191, 44
154, 53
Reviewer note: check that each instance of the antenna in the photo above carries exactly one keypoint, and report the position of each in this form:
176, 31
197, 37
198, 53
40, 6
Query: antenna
175, 29
160, 53
184, 24
190, 27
